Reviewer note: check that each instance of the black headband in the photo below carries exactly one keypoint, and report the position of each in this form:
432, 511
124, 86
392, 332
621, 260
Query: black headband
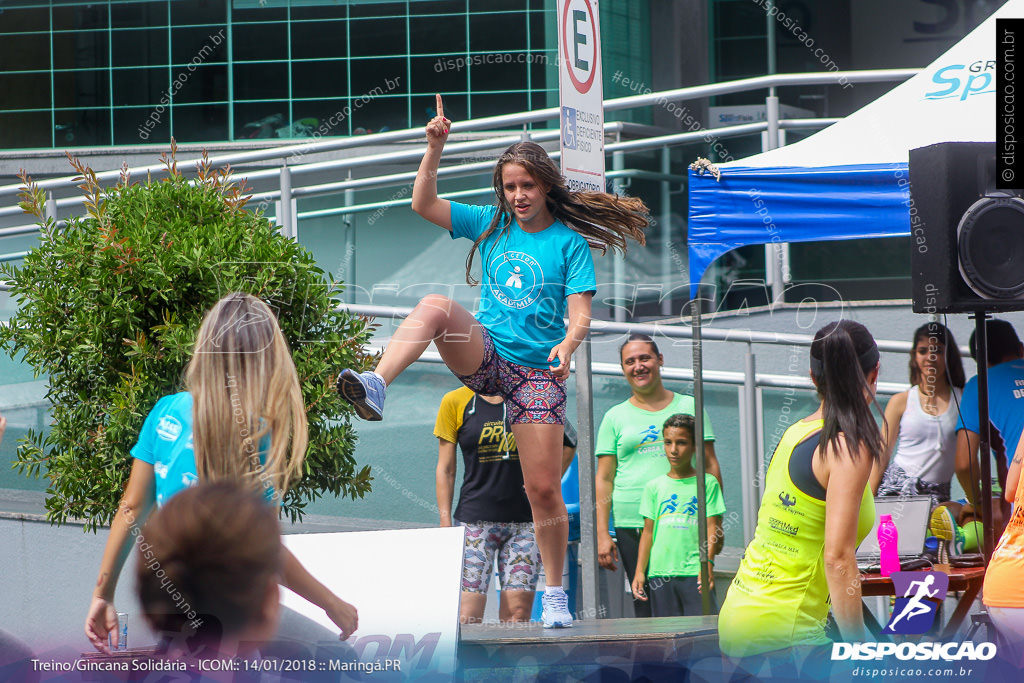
867, 360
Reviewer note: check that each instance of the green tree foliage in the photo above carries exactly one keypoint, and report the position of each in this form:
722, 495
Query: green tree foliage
109, 309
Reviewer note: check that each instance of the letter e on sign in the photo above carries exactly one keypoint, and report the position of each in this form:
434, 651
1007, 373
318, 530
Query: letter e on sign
580, 43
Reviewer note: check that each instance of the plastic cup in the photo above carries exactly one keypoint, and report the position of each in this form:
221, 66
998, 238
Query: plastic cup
119, 640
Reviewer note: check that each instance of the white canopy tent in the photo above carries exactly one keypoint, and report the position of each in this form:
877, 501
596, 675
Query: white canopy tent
850, 180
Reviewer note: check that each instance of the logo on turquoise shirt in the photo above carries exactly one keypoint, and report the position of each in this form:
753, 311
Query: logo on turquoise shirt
517, 280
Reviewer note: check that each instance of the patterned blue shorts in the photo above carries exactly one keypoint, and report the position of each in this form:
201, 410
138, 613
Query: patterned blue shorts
531, 395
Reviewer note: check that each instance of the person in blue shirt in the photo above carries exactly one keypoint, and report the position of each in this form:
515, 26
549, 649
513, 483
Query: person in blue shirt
534, 248
1005, 362
242, 419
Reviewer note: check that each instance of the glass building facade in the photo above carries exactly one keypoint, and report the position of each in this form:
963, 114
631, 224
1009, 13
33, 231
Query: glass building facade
111, 73
125, 73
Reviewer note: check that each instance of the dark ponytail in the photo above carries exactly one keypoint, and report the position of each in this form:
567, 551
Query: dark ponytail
842, 354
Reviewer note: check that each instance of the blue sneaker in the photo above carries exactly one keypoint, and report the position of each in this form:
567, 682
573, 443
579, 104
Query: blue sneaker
365, 391
556, 610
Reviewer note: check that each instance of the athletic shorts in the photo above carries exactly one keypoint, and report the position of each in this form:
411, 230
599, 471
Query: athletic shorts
898, 482
532, 396
677, 596
515, 547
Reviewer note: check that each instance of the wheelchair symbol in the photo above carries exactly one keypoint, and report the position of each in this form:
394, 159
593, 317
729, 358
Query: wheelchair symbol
569, 128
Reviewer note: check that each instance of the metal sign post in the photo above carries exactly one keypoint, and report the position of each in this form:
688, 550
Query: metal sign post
581, 99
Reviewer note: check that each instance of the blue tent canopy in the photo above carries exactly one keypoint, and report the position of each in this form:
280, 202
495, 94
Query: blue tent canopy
763, 205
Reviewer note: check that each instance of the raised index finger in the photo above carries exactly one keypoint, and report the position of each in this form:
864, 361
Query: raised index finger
440, 107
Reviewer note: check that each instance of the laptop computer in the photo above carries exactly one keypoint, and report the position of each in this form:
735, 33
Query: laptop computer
910, 514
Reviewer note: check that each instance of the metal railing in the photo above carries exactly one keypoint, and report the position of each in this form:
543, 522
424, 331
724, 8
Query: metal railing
287, 174
292, 154
749, 382
506, 121
292, 171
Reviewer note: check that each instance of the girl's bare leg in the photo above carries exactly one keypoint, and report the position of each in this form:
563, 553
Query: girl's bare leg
454, 331
540, 454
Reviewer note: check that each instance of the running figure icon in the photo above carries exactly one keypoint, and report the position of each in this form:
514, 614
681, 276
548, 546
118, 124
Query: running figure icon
915, 606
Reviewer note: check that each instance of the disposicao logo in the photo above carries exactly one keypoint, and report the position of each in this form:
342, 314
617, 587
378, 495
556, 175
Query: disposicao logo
947, 652
914, 613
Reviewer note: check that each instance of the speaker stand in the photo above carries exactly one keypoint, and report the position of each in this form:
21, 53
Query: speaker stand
984, 446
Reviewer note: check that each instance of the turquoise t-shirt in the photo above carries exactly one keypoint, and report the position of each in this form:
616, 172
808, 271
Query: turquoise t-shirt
672, 505
526, 279
633, 436
165, 442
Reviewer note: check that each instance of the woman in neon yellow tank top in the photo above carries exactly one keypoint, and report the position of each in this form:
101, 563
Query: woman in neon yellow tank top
816, 509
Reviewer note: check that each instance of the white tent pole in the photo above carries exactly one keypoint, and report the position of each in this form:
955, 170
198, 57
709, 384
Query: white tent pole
774, 254
698, 436
666, 232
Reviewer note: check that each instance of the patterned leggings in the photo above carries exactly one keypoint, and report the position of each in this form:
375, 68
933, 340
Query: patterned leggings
514, 545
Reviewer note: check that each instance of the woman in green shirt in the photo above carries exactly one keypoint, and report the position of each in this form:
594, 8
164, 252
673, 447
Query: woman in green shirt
816, 509
630, 452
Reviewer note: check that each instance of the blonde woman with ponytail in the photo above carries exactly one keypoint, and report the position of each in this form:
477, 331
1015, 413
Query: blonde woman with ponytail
241, 419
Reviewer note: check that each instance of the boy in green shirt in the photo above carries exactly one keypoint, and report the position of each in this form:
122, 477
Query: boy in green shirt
669, 543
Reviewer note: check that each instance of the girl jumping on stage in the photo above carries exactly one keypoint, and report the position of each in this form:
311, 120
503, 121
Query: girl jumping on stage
535, 252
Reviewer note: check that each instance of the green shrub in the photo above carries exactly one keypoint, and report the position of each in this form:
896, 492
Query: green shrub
109, 309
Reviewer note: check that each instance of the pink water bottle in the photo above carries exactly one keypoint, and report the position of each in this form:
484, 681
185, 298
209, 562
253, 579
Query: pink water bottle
888, 540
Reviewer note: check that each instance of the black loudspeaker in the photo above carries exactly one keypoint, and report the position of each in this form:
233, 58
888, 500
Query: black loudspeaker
967, 237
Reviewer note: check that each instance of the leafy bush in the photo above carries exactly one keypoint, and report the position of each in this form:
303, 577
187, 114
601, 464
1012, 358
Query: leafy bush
109, 309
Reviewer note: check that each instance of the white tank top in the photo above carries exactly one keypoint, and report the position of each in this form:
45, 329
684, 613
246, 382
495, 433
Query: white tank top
927, 443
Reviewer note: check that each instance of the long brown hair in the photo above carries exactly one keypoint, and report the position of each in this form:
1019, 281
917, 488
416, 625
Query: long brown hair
605, 220
245, 391
954, 370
